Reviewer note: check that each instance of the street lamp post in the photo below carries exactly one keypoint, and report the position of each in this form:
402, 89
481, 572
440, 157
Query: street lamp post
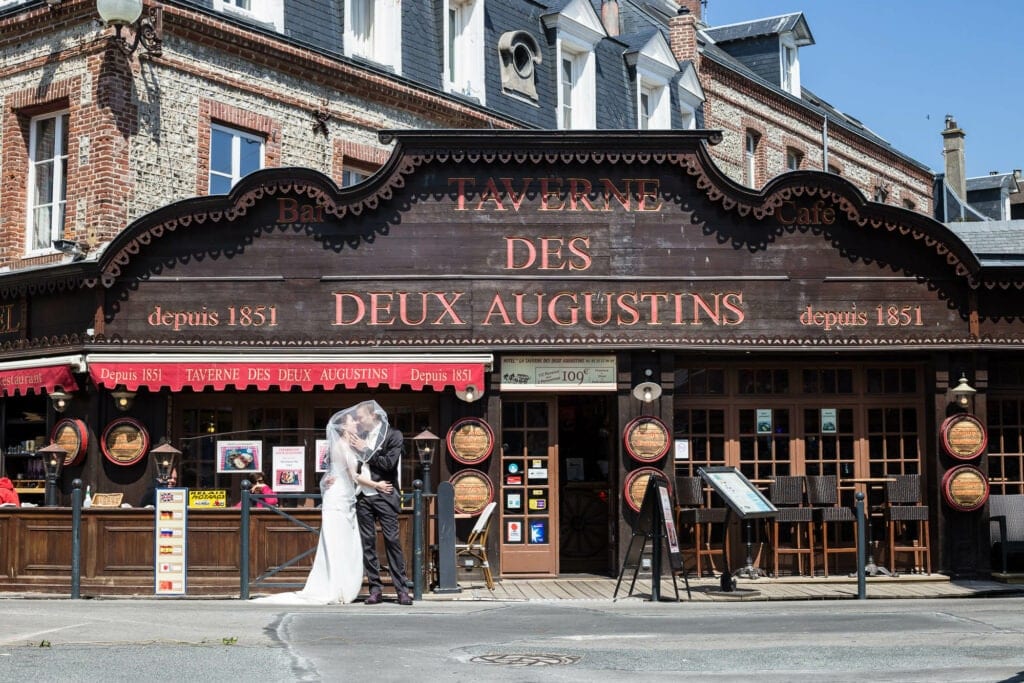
164, 457
53, 460
426, 445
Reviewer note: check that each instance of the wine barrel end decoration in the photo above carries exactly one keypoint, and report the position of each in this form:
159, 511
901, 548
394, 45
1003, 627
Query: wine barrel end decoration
73, 436
646, 439
635, 486
470, 440
473, 491
125, 441
965, 488
963, 436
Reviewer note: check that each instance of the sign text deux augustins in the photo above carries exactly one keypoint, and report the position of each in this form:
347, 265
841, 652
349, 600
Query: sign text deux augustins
549, 257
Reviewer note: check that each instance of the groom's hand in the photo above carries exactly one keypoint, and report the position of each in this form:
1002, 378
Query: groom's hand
384, 487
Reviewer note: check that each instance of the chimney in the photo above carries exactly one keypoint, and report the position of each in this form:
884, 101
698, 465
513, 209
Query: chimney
953, 150
692, 7
682, 35
610, 17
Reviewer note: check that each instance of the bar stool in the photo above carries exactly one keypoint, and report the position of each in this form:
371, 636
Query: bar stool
823, 497
903, 509
787, 494
696, 516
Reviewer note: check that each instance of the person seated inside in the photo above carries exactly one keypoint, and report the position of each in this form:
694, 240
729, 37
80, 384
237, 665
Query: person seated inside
8, 496
260, 486
149, 497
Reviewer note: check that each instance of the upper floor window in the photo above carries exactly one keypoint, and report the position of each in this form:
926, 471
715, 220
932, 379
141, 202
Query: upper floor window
47, 180
234, 154
789, 65
690, 95
579, 30
654, 111
353, 176
464, 47
264, 11
750, 158
794, 159
373, 31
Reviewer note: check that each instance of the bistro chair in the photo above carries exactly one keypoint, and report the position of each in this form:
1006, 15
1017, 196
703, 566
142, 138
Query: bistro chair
903, 510
794, 518
698, 518
823, 497
474, 550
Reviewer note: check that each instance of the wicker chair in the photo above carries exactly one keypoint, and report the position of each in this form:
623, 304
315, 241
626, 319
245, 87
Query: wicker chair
902, 511
474, 550
823, 497
1006, 523
696, 517
787, 494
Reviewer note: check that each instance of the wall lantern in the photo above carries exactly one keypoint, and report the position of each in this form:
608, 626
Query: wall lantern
426, 445
123, 399
164, 456
647, 391
148, 27
53, 460
469, 394
963, 393
59, 400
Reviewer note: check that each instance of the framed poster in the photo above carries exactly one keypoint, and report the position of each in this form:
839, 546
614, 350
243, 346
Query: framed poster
470, 440
125, 441
289, 468
647, 439
742, 496
323, 461
239, 456
828, 420
764, 421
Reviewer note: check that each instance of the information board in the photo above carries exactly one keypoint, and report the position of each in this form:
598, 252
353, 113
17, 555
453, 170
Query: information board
170, 550
737, 491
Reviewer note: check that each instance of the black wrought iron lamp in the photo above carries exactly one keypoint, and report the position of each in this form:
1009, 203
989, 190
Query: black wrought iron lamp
53, 460
426, 445
147, 26
164, 457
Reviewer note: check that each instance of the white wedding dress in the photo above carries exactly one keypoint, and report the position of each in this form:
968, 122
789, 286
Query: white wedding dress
337, 573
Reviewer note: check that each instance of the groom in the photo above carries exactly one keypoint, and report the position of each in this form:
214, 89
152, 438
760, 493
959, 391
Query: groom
379, 505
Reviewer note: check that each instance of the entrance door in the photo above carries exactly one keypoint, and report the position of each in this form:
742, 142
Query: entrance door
529, 472
586, 447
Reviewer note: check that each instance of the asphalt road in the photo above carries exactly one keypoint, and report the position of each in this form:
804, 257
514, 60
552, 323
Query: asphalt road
231, 640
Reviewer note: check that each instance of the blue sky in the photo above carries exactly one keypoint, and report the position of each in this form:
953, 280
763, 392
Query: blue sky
899, 66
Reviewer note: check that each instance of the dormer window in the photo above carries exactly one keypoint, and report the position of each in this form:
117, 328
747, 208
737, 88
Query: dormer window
655, 67
789, 64
464, 48
373, 31
579, 30
270, 12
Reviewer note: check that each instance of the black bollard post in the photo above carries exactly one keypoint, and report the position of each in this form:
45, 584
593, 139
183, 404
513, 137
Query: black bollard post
861, 578
445, 506
244, 524
417, 540
76, 539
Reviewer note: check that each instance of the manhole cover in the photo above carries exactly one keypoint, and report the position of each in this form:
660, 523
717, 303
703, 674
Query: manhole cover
526, 660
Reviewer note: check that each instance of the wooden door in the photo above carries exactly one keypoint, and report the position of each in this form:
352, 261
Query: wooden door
529, 487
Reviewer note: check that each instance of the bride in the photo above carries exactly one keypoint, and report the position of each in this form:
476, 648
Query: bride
337, 573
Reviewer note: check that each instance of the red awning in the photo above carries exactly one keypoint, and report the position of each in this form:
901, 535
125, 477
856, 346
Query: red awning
200, 372
38, 375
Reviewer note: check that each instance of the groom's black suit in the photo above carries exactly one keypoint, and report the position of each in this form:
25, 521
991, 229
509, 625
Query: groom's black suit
383, 508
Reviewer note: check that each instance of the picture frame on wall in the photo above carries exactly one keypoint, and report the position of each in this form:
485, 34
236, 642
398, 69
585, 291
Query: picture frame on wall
238, 457
323, 462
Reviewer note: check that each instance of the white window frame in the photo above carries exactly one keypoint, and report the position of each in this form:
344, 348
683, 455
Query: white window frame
264, 11
58, 185
750, 142
353, 176
464, 63
789, 64
362, 38
578, 30
236, 156
691, 96
659, 110
793, 155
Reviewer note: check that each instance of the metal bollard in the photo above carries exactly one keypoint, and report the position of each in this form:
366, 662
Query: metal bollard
861, 542
244, 560
76, 539
417, 540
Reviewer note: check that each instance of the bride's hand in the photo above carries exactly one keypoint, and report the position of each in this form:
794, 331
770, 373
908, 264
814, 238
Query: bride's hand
384, 486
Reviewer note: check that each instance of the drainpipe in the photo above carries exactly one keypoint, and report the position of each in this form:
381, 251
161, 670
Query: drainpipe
824, 143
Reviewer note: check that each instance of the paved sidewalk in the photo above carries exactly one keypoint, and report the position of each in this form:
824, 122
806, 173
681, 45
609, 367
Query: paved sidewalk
587, 587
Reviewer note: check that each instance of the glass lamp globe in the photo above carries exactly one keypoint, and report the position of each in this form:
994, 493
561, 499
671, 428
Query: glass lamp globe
119, 12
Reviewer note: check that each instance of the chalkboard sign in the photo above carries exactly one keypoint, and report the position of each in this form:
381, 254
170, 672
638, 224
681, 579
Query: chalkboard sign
737, 491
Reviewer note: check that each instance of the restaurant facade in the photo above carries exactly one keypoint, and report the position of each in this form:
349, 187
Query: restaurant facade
572, 313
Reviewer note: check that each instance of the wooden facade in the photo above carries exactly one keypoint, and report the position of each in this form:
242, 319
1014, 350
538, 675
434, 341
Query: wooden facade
598, 261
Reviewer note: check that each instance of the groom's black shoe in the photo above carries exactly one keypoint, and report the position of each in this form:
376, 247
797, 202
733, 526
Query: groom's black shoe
404, 599
375, 598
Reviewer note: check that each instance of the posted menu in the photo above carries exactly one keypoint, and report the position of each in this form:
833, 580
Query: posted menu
170, 551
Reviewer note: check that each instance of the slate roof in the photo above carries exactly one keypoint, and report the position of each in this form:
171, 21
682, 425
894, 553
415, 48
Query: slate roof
995, 243
992, 182
769, 26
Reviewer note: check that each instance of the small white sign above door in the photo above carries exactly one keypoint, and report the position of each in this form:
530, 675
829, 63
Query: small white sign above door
560, 373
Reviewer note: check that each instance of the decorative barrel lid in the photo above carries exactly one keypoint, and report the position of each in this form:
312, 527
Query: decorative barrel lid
73, 436
125, 441
635, 486
965, 488
963, 436
473, 491
646, 439
470, 440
